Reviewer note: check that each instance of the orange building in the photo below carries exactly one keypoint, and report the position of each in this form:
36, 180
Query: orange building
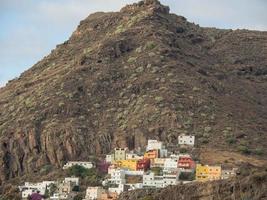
151, 154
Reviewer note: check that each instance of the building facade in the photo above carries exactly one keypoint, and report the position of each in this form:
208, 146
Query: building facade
127, 164
186, 162
228, 173
154, 144
151, 154
171, 164
143, 164
206, 172
87, 165
94, 193
186, 140
119, 154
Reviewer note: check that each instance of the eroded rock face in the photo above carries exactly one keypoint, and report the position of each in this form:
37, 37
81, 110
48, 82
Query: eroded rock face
126, 77
250, 187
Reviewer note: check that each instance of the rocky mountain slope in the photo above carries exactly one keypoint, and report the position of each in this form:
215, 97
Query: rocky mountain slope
251, 185
127, 76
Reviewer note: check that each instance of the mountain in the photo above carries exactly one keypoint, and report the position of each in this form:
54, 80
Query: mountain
124, 77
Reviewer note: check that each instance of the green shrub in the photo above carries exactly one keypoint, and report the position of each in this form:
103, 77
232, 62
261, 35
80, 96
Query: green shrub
90, 176
231, 140
131, 60
157, 170
244, 149
183, 150
46, 169
258, 151
78, 171
150, 45
76, 188
186, 176
78, 197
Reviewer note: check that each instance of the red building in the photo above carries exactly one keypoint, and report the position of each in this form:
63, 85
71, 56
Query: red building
143, 164
186, 162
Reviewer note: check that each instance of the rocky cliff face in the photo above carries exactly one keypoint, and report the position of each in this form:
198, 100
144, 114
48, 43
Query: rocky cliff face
253, 187
127, 76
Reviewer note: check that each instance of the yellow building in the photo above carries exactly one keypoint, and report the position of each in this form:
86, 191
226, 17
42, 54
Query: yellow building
130, 164
151, 154
206, 172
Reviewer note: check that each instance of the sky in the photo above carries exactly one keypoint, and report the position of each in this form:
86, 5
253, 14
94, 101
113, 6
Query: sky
30, 29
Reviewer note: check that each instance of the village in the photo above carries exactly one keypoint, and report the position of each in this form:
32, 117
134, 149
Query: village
126, 170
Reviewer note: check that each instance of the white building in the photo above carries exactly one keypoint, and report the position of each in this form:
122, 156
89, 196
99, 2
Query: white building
29, 188
57, 196
170, 164
110, 158
135, 186
93, 193
121, 188
73, 180
150, 180
154, 144
163, 153
228, 173
117, 176
87, 165
186, 140
170, 179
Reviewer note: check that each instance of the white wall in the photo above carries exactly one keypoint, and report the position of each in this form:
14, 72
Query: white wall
186, 140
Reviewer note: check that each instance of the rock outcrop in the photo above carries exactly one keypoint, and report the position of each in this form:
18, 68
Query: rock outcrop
250, 187
127, 76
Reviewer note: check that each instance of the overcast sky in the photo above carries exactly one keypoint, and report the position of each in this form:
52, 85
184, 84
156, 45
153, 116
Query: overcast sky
31, 28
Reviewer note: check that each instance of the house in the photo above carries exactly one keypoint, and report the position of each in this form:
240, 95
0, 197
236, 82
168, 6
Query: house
186, 162
130, 156
64, 189
119, 154
186, 140
143, 164
127, 164
151, 154
163, 153
117, 176
94, 193
154, 144
135, 186
110, 158
150, 180
87, 165
228, 173
206, 172
29, 188
119, 189
73, 180
170, 178
171, 164
158, 162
